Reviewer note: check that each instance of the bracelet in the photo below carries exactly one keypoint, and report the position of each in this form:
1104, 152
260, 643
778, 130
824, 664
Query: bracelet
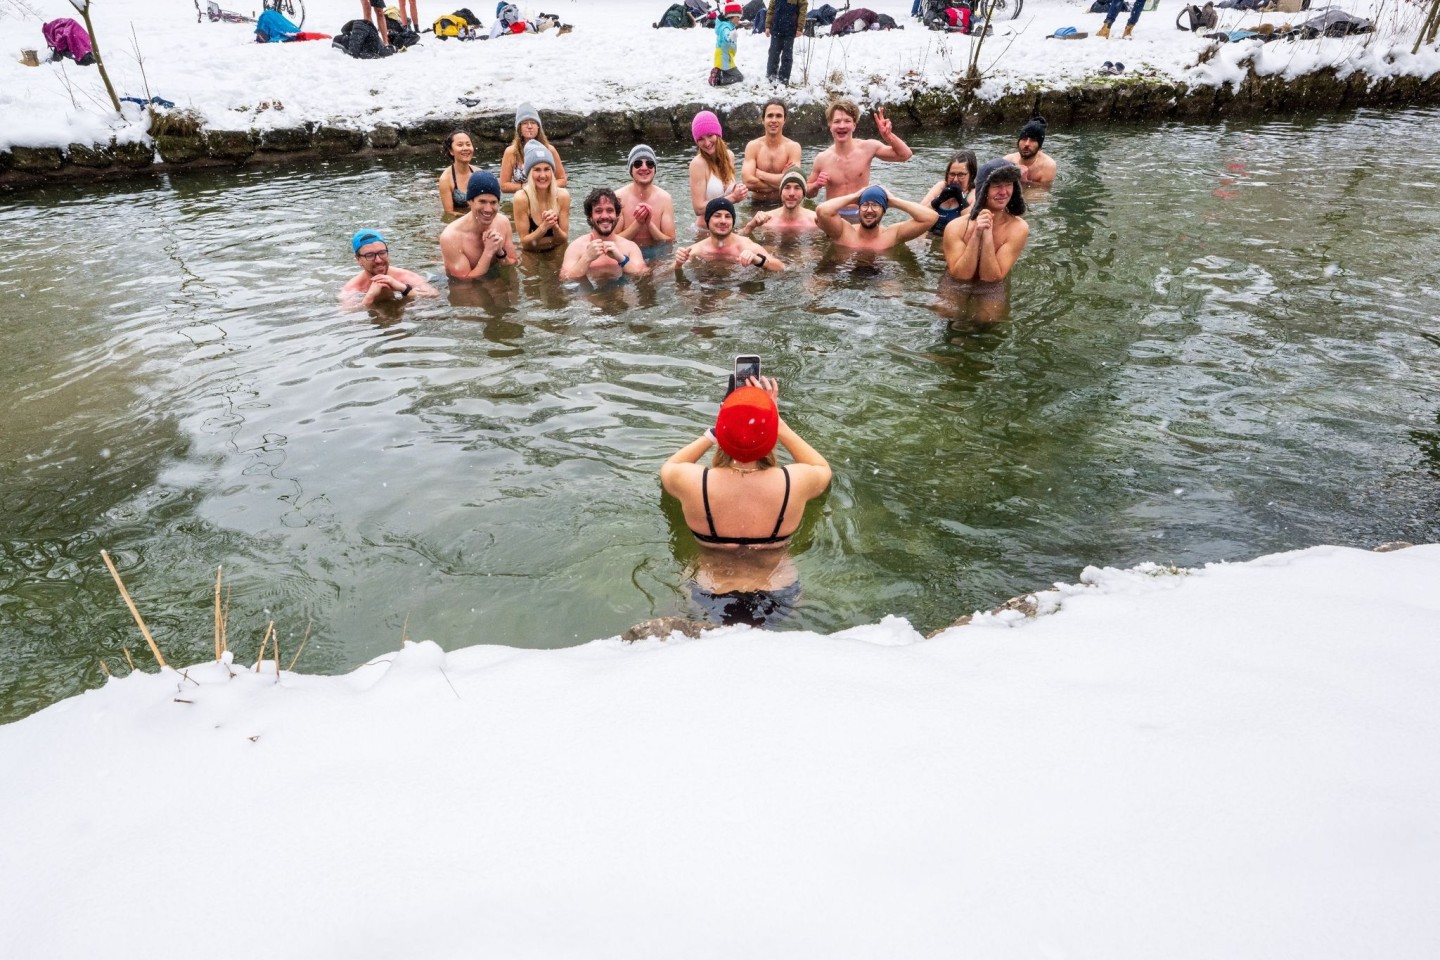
624, 261
709, 434
406, 292
762, 261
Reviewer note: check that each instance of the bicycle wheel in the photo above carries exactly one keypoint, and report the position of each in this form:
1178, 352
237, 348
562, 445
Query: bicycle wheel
1006, 9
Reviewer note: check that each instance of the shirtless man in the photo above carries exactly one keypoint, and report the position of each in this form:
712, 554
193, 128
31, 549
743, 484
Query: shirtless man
985, 245
482, 238
791, 216
378, 281
1036, 166
768, 157
602, 251
724, 243
868, 234
844, 166
647, 212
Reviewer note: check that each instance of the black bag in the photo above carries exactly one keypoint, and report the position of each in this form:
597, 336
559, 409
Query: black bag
823, 14
465, 14
1195, 18
401, 36
361, 40
1103, 6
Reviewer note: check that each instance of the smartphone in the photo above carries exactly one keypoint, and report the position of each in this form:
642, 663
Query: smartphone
747, 365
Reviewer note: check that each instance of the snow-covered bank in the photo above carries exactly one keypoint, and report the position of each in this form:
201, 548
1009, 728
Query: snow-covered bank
613, 62
1237, 761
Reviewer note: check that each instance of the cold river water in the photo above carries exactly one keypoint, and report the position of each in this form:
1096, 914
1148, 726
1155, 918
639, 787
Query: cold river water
1221, 342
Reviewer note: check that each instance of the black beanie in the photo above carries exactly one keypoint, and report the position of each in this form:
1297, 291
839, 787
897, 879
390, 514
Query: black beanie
1034, 129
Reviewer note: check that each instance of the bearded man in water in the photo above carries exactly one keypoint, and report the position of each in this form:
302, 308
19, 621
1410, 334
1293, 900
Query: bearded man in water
602, 250
1037, 167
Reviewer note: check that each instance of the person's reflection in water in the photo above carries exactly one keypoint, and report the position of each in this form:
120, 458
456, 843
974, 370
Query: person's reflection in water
744, 509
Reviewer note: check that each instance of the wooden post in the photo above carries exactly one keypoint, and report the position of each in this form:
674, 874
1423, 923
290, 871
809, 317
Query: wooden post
100, 65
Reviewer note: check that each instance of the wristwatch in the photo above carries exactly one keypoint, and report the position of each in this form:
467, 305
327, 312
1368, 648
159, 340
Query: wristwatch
760, 262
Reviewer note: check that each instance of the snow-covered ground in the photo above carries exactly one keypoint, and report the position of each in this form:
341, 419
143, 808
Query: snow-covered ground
1239, 762
612, 60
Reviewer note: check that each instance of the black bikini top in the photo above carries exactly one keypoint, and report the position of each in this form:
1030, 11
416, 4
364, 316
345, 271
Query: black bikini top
713, 537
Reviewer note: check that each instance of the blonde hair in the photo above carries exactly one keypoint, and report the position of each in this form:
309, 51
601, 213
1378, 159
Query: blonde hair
721, 163
552, 196
723, 459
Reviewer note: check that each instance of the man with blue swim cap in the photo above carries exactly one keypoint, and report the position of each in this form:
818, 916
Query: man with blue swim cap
869, 233
482, 238
378, 281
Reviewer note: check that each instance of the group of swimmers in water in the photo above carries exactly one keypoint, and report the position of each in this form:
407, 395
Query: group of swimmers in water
743, 508
977, 210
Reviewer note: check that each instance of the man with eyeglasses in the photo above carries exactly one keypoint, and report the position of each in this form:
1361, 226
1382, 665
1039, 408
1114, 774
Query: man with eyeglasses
482, 238
869, 233
378, 281
647, 212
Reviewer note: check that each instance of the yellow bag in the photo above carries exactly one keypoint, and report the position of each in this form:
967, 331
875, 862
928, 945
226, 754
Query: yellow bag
449, 25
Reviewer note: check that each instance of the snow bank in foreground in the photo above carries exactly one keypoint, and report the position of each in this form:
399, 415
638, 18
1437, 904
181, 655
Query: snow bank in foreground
1231, 762
613, 60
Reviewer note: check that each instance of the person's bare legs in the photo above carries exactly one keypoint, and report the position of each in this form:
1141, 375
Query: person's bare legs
414, 14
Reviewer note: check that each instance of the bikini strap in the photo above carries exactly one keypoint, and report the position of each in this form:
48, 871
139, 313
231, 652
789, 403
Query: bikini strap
705, 496
774, 534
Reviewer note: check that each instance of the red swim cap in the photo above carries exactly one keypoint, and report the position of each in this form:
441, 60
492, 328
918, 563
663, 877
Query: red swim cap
748, 424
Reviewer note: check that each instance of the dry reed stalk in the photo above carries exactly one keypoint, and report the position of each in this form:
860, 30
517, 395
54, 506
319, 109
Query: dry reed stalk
302, 646
131, 603
126, 651
106, 668
275, 648
225, 624
217, 612
260, 657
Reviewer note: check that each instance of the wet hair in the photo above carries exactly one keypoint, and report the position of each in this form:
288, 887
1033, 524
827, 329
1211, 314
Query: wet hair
596, 195
965, 158
774, 102
449, 145
723, 459
850, 107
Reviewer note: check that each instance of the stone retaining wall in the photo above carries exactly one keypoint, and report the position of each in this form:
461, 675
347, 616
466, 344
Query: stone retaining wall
1117, 99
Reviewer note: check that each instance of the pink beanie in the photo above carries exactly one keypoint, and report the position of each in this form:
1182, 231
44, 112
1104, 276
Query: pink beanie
704, 124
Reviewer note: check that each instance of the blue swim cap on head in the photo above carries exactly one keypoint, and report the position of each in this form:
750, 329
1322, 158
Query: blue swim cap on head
875, 195
715, 206
363, 237
481, 183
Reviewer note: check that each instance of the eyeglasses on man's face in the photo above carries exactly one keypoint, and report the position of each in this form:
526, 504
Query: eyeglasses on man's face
370, 257
649, 164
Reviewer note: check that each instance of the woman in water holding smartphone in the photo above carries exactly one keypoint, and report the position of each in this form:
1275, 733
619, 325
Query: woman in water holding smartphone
744, 509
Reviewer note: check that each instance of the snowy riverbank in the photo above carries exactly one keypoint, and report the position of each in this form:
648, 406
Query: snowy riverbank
1230, 762
613, 62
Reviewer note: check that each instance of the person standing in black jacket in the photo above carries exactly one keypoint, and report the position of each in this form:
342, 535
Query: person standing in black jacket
784, 21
